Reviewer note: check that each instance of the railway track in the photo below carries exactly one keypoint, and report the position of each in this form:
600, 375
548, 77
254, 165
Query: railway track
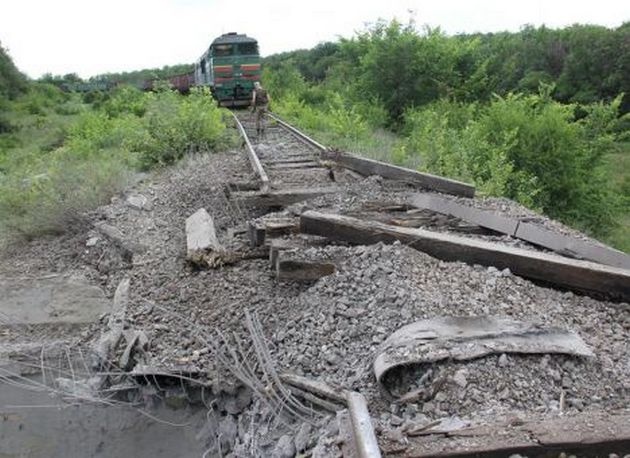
327, 309
290, 167
283, 159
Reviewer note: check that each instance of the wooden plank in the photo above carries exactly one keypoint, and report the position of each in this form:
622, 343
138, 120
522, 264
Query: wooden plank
487, 219
583, 434
263, 229
201, 236
292, 159
297, 165
577, 275
533, 233
278, 245
256, 233
570, 246
300, 135
368, 167
253, 158
301, 270
280, 198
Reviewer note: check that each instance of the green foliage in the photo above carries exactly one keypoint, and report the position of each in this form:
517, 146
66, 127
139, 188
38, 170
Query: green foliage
528, 148
123, 100
73, 159
403, 68
40, 98
49, 197
12, 82
177, 124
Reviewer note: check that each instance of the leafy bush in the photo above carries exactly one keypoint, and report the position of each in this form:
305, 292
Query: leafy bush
40, 98
45, 190
12, 82
528, 148
177, 124
124, 100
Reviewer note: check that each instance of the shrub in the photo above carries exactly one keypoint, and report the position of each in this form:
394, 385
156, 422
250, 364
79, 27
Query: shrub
177, 124
50, 196
528, 148
123, 100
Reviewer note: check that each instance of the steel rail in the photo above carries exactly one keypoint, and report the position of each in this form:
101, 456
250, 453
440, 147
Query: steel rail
363, 432
301, 135
253, 157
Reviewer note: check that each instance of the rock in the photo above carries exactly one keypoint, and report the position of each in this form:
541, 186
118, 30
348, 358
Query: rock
285, 448
139, 202
576, 403
503, 360
460, 378
396, 420
92, 241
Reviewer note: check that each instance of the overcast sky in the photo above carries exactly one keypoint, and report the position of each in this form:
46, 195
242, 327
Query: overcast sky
90, 37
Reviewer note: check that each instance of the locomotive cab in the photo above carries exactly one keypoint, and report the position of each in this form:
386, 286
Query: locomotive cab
230, 67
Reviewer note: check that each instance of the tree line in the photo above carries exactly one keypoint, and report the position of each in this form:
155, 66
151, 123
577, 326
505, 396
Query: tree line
404, 67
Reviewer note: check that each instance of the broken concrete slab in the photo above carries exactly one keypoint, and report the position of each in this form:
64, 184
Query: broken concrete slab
59, 299
466, 338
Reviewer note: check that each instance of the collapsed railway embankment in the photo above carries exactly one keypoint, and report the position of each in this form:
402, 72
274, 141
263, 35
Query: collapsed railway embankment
295, 290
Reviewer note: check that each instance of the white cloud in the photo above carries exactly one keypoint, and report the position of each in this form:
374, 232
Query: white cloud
90, 37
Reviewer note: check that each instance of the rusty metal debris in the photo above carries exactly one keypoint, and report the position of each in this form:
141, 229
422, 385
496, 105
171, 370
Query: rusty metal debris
465, 338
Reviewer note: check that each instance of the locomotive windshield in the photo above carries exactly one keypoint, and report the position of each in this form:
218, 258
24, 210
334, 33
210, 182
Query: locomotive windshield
248, 48
222, 50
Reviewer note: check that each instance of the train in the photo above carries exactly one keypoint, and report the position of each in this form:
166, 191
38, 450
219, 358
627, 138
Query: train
229, 68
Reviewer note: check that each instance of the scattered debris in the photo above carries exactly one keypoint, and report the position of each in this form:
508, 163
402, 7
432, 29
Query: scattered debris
466, 338
441, 426
128, 247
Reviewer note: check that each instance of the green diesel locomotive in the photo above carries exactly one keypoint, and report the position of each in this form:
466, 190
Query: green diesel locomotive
229, 67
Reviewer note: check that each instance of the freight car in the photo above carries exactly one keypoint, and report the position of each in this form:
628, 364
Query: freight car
181, 83
229, 68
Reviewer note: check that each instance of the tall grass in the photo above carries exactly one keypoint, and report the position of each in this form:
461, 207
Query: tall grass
65, 157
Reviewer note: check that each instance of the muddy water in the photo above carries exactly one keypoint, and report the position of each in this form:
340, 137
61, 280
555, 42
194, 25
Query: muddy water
35, 424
